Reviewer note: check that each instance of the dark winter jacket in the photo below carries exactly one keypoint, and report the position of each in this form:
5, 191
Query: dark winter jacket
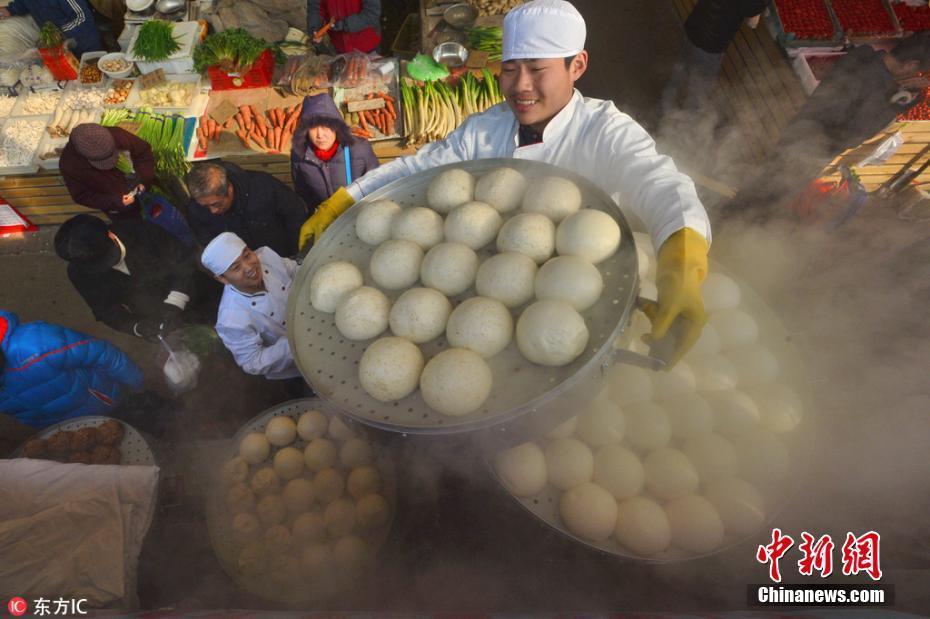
712, 24
73, 17
52, 373
314, 179
158, 263
265, 212
851, 104
357, 27
104, 189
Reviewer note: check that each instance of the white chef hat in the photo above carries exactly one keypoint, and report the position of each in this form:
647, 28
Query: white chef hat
543, 29
221, 252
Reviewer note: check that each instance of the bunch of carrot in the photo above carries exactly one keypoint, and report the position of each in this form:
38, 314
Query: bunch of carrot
383, 119
355, 70
270, 132
208, 130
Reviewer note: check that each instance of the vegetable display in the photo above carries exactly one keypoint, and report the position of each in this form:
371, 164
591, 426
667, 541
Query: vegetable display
912, 18
863, 17
90, 73
233, 51
487, 39
432, 110
494, 7
365, 123
165, 134
155, 41
66, 119
6, 104
268, 133
169, 94
805, 19
19, 140
38, 103
49, 36
118, 92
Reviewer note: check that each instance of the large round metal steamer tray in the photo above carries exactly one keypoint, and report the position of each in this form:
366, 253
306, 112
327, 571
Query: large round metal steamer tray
329, 362
293, 584
798, 442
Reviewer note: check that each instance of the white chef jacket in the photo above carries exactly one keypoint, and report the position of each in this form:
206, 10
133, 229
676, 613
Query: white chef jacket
590, 137
254, 326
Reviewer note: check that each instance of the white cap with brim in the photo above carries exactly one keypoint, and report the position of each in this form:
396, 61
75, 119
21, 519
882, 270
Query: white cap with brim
221, 252
543, 29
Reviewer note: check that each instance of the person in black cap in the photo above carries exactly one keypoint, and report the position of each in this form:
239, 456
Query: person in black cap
136, 277
88, 167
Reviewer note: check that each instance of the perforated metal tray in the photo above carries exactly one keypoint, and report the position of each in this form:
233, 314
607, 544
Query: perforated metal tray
329, 362
134, 447
218, 521
799, 442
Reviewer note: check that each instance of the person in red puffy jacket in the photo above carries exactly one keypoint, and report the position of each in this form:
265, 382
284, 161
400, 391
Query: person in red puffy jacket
356, 24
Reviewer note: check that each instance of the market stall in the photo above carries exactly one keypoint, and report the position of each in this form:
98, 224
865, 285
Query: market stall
229, 94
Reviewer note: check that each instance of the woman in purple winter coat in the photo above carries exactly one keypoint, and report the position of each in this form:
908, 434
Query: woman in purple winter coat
324, 154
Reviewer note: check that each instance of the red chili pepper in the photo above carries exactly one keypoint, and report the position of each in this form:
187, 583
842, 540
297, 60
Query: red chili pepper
912, 18
863, 17
806, 19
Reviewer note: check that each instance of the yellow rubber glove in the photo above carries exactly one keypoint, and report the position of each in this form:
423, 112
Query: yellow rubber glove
326, 213
682, 266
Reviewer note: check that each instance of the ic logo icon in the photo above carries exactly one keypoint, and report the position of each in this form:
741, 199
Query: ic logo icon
17, 606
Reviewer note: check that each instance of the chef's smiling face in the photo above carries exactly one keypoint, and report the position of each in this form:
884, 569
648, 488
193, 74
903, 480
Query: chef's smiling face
245, 274
538, 89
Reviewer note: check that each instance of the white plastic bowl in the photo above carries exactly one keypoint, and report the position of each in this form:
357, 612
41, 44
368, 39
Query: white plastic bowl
138, 6
115, 56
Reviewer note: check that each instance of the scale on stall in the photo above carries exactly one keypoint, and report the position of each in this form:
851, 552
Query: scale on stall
12, 221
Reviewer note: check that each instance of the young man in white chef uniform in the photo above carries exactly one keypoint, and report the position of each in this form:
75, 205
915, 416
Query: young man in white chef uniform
546, 119
252, 318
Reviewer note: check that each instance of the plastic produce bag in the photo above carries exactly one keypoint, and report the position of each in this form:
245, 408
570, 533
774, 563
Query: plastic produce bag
425, 69
161, 212
181, 368
884, 151
17, 34
350, 70
313, 73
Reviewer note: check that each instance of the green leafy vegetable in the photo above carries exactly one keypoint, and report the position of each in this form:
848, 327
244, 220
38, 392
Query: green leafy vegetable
155, 41
49, 36
165, 134
233, 51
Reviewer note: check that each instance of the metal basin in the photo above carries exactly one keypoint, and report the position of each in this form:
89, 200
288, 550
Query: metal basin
462, 15
169, 6
451, 54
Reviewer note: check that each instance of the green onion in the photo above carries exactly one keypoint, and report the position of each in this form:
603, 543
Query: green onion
155, 41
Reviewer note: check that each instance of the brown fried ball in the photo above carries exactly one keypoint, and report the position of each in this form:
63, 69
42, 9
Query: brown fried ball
35, 448
60, 442
103, 454
110, 432
85, 439
80, 457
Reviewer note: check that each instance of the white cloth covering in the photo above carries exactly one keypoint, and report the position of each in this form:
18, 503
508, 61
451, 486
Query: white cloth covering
543, 29
254, 326
590, 137
74, 530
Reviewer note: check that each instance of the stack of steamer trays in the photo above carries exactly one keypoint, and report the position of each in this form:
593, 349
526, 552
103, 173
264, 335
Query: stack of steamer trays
302, 503
495, 294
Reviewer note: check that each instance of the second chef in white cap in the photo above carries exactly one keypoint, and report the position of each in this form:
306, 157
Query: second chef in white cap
252, 318
546, 119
